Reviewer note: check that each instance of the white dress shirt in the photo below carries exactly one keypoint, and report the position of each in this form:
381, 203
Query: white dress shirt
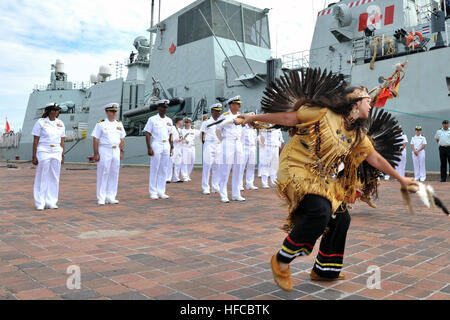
444, 137
159, 128
49, 133
109, 133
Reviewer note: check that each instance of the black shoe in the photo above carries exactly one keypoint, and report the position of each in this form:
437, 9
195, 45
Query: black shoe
443, 181
167, 181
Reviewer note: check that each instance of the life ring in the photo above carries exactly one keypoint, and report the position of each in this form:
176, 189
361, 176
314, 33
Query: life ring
414, 39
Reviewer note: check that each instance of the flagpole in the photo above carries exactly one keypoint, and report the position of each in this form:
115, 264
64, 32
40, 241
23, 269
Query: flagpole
445, 19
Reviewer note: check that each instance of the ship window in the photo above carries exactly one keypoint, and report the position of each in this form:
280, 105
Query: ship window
256, 28
192, 26
233, 16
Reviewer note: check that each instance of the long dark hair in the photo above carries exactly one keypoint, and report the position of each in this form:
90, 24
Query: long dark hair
344, 109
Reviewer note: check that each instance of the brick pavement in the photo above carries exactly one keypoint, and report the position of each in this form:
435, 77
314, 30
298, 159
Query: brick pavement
194, 247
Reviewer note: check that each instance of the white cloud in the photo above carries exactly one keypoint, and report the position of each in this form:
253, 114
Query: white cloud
88, 33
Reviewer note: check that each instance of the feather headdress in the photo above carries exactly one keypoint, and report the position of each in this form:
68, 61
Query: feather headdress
314, 87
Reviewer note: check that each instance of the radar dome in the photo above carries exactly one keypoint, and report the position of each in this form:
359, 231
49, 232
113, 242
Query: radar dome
140, 42
59, 66
104, 71
94, 78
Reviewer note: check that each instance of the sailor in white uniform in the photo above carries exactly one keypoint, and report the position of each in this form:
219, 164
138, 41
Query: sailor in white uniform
109, 147
211, 144
232, 154
402, 163
48, 155
418, 144
272, 140
249, 141
159, 130
175, 168
189, 135
400, 167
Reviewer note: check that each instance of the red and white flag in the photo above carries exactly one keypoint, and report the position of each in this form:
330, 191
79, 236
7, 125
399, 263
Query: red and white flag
7, 128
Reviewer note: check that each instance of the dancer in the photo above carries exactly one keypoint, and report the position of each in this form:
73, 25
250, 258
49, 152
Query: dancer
318, 166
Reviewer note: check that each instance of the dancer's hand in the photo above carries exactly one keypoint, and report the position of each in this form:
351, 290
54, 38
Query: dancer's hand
35, 161
247, 118
406, 182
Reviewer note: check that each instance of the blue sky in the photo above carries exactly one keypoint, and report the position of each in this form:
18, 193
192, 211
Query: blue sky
88, 33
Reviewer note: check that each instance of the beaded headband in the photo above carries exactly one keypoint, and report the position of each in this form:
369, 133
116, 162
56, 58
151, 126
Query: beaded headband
358, 93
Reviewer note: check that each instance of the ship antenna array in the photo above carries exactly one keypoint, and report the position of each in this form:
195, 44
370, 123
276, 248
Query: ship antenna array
118, 67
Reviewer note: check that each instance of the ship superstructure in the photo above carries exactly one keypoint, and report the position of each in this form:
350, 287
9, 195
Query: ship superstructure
212, 50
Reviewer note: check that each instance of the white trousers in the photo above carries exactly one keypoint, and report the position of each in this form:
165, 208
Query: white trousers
420, 171
188, 154
177, 161
232, 158
269, 163
108, 173
158, 168
400, 168
170, 169
248, 166
46, 181
210, 166
260, 154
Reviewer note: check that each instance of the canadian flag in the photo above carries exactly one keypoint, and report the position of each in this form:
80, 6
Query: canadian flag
374, 17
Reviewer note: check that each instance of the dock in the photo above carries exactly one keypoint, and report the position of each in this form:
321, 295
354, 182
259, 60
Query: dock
192, 246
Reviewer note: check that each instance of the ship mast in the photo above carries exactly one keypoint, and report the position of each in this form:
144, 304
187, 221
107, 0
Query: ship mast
151, 26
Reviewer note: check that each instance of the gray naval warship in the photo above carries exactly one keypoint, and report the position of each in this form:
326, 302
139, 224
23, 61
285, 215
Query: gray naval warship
212, 50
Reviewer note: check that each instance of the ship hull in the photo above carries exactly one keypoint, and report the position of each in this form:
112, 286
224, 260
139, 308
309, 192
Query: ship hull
423, 96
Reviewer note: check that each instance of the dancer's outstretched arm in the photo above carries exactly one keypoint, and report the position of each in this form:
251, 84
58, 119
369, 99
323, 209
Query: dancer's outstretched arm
288, 119
377, 161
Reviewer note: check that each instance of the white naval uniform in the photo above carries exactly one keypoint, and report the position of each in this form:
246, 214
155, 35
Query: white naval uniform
272, 140
49, 156
160, 130
188, 152
231, 157
109, 134
210, 154
400, 168
420, 171
170, 164
249, 140
177, 158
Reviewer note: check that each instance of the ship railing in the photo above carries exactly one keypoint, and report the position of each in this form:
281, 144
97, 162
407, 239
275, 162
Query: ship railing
394, 44
83, 85
296, 60
10, 140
